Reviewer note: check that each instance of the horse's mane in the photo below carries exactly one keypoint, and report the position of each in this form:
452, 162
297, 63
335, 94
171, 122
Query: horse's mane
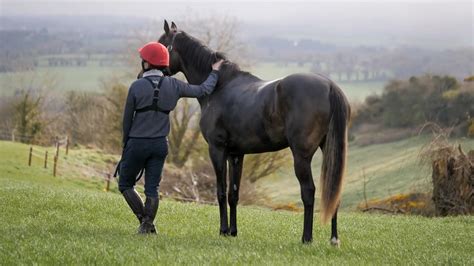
195, 52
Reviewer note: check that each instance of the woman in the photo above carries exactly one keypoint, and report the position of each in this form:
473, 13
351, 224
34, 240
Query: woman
146, 126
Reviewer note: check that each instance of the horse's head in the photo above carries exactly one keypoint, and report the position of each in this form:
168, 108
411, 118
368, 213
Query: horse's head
167, 39
189, 55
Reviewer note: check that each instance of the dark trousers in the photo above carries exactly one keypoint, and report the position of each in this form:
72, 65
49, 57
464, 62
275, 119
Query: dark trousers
143, 153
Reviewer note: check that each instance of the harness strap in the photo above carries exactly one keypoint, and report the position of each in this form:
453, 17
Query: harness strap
117, 172
156, 97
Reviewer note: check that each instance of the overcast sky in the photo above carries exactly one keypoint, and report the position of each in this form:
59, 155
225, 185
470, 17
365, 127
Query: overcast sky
449, 23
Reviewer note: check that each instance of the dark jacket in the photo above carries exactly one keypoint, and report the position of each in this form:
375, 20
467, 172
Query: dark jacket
153, 124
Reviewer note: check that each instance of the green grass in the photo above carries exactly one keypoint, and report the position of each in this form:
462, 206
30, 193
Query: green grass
389, 168
81, 168
47, 220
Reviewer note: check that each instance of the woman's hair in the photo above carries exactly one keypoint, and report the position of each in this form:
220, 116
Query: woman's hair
150, 66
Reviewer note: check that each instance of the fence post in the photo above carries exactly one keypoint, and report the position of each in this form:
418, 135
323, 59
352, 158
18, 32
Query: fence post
55, 164
29, 157
46, 159
57, 148
67, 144
107, 186
13, 136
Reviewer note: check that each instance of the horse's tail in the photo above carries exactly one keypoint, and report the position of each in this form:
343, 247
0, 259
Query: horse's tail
334, 153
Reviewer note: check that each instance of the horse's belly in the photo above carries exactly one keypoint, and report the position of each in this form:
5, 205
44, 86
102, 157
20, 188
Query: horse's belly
256, 142
258, 149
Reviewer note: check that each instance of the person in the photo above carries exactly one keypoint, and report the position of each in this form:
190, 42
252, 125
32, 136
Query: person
146, 125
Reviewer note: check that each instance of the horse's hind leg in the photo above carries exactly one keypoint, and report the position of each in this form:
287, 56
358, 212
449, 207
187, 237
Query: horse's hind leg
218, 158
304, 140
334, 238
235, 172
303, 173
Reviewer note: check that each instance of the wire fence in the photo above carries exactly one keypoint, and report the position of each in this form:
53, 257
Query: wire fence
39, 139
5, 135
56, 159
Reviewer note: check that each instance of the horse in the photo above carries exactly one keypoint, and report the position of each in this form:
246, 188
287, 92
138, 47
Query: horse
247, 115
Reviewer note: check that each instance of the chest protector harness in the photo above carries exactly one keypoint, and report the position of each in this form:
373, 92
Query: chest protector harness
156, 97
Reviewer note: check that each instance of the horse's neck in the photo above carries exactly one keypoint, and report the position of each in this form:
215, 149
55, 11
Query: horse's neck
194, 77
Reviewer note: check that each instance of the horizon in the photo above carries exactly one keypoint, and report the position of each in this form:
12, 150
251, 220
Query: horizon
387, 23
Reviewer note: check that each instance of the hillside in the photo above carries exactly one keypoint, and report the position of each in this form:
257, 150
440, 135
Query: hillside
389, 168
47, 220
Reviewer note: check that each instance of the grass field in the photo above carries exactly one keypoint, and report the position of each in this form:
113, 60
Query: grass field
389, 168
48, 220
89, 78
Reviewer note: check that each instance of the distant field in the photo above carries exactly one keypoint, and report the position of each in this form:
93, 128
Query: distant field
89, 78
67, 78
355, 91
389, 168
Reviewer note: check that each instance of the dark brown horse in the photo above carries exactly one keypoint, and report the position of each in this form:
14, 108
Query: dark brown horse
248, 115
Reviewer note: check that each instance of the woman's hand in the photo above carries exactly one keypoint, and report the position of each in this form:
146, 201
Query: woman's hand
217, 65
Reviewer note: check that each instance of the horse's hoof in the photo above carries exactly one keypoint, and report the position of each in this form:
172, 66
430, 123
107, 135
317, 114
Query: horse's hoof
306, 241
233, 233
335, 242
224, 232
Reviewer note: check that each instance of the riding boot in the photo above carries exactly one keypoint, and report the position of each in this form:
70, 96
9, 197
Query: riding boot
135, 203
151, 207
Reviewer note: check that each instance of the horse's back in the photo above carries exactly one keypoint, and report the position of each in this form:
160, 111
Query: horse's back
305, 85
304, 92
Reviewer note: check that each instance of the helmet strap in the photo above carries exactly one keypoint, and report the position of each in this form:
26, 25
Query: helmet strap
145, 63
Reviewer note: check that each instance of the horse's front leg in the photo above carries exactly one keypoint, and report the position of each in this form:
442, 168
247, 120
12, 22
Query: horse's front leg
235, 172
218, 158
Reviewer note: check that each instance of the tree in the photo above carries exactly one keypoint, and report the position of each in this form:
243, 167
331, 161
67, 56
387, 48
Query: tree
115, 94
27, 117
257, 166
28, 113
84, 117
184, 134
413, 102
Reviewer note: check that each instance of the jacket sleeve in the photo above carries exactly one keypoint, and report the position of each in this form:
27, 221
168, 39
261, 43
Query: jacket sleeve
128, 115
196, 91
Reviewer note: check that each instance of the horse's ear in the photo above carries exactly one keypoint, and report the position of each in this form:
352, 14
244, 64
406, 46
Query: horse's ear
173, 26
166, 27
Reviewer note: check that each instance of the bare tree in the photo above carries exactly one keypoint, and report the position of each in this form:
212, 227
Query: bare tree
84, 117
220, 33
261, 165
184, 133
27, 117
115, 97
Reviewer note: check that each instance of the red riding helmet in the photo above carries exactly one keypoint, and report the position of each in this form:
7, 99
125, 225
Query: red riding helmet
155, 53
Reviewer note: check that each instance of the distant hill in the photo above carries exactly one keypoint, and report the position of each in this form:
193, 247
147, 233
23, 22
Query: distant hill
388, 168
